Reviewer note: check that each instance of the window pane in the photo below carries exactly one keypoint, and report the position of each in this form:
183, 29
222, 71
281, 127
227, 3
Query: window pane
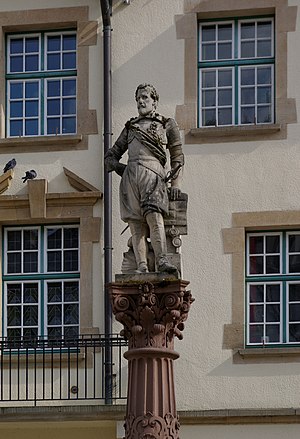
209, 79
55, 333
256, 333
225, 97
294, 312
264, 114
272, 264
264, 29
256, 265
53, 61
69, 42
273, 293
30, 293
69, 87
16, 109
264, 48
31, 45
54, 292
53, 88
30, 334
30, 317
273, 333
71, 292
13, 316
69, 106
248, 115
14, 293
53, 125
294, 292
264, 95
54, 43
16, 45
273, 244
294, 243
247, 30
31, 63
16, 64
248, 49
53, 107
273, 313
71, 237
256, 313
208, 51
69, 61
264, 75
54, 261
71, 260
248, 95
31, 89
14, 239
71, 314
16, 128
30, 262
54, 315
209, 98
294, 333
224, 51
31, 127
14, 334
256, 293
54, 238
294, 264
16, 90
225, 116
224, 32
14, 263
31, 108
71, 332
209, 118
256, 245
209, 33
69, 125
247, 77
224, 78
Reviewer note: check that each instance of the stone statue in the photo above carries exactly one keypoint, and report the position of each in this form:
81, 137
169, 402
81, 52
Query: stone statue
144, 195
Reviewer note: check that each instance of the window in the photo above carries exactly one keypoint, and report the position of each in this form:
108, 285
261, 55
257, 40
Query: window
41, 282
236, 72
41, 73
273, 288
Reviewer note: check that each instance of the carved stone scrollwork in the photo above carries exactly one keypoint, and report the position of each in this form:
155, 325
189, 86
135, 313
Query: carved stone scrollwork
152, 316
150, 426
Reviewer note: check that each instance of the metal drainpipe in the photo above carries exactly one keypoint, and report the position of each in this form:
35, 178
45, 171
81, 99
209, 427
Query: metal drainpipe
106, 7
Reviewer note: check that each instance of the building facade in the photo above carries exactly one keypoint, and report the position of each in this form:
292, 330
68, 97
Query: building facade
227, 71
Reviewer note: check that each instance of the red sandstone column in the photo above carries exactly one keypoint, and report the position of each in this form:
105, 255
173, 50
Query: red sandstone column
152, 314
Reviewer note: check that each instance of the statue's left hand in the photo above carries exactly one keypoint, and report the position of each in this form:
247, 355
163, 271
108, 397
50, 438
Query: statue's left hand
175, 193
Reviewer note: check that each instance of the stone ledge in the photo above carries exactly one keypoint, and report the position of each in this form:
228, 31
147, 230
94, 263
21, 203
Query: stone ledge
42, 143
269, 352
232, 131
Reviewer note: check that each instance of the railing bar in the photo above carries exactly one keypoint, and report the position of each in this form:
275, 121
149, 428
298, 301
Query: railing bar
27, 371
77, 371
85, 371
94, 369
52, 372
2, 348
44, 383
35, 376
69, 373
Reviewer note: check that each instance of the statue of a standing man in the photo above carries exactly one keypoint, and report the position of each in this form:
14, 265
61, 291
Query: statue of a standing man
143, 190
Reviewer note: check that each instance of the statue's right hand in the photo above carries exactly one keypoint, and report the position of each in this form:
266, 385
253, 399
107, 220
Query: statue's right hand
120, 168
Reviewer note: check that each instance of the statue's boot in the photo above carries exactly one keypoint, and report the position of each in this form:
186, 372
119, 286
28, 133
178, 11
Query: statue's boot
158, 240
139, 232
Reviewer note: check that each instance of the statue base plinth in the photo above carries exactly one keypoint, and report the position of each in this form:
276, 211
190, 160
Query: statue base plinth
152, 308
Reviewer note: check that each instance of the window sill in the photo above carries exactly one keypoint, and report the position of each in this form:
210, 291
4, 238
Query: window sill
232, 131
269, 352
41, 143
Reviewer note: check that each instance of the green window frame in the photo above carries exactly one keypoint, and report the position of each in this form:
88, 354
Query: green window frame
41, 282
273, 288
41, 83
236, 60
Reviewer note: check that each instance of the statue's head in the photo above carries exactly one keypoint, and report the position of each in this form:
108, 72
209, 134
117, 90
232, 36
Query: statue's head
146, 98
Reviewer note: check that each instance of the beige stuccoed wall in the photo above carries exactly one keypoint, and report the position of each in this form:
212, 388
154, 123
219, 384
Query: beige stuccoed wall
220, 179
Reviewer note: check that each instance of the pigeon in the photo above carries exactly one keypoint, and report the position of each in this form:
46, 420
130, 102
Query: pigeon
29, 175
10, 165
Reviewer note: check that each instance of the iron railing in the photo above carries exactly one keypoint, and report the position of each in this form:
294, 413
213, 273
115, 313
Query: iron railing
61, 369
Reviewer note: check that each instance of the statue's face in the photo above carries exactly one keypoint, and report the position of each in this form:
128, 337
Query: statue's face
145, 104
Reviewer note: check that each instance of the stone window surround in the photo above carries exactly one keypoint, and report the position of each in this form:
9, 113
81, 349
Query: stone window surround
234, 243
41, 207
47, 19
187, 29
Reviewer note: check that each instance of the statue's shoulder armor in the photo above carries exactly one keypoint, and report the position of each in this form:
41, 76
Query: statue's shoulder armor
130, 121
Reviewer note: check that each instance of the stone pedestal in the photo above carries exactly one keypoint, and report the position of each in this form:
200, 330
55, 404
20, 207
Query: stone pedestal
152, 310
